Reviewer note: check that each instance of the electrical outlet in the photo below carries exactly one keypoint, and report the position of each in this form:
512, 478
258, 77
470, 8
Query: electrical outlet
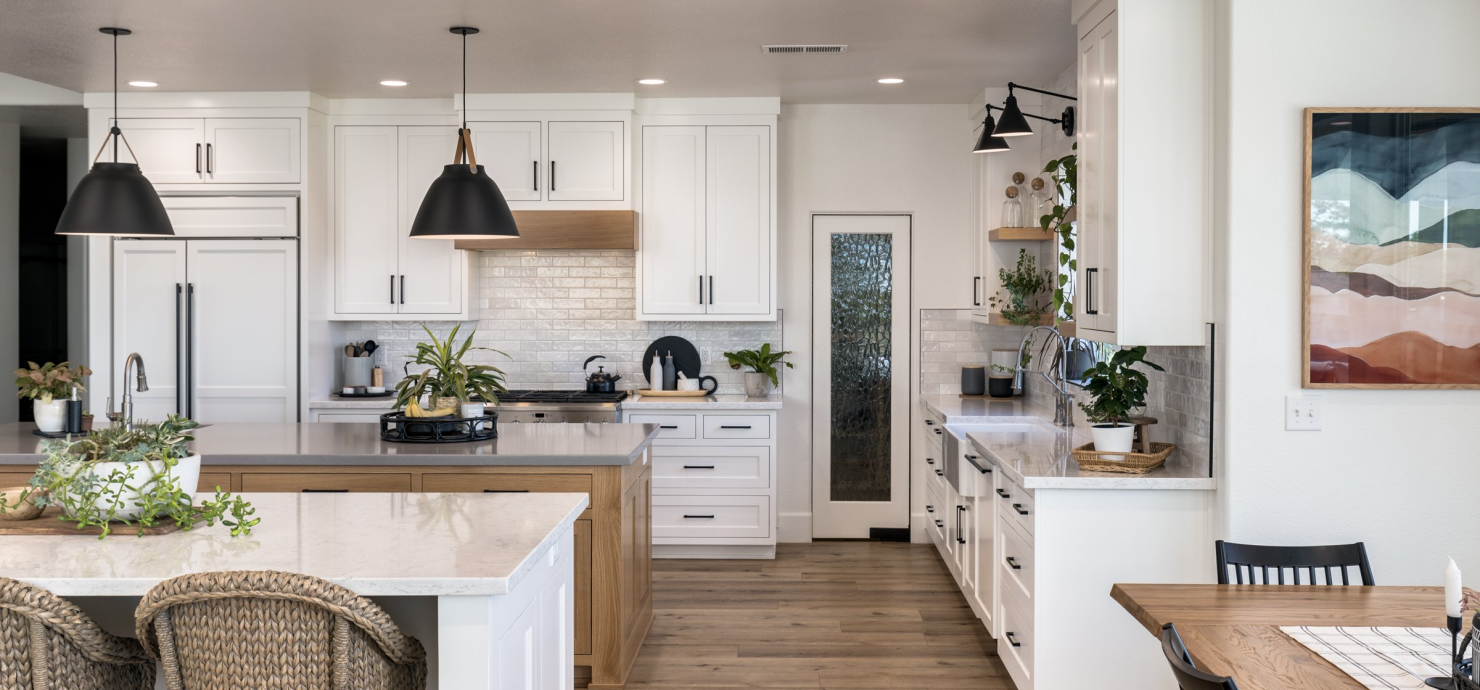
1302, 412
706, 355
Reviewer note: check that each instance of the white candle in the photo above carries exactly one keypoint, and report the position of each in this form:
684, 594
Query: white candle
1453, 593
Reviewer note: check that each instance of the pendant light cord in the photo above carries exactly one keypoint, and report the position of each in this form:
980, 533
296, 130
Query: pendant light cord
465, 80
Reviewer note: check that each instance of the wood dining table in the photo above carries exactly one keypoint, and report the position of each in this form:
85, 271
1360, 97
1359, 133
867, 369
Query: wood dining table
1234, 630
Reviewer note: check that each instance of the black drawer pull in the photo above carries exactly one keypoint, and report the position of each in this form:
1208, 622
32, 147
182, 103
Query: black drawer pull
973, 457
734, 426
930, 461
940, 473
937, 432
929, 509
326, 491
506, 491
696, 517
1013, 641
1003, 494
698, 467
1019, 508
987, 470
960, 540
929, 423
939, 523
1013, 563
668, 426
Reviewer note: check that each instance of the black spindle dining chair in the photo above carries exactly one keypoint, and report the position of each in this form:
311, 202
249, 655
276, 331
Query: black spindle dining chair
1189, 676
1247, 560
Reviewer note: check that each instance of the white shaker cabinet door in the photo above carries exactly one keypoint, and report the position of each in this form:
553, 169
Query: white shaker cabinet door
586, 161
671, 251
256, 150
1096, 303
366, 222
149, 282
430, 280
168, 150
738, 223
243, 328
510, 152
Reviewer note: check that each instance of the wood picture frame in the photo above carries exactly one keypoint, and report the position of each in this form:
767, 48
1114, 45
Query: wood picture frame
1373, 295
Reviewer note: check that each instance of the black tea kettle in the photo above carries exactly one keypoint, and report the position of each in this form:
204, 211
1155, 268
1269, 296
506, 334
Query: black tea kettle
599, 381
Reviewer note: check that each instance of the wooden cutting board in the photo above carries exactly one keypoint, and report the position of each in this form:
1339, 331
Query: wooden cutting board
48, 524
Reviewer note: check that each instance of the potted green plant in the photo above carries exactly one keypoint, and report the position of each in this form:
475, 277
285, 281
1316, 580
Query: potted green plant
763, 373
48, 387
1115, 388
447, 381
1025, 285
145, 474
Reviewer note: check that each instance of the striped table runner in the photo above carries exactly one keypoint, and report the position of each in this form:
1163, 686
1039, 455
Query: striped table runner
1380, 658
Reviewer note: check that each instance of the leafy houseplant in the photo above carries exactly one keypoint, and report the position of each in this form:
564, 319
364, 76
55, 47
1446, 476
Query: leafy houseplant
144, 475
1025, 285
1065, 174
1115, 388
446, 379
48, 387
762, 365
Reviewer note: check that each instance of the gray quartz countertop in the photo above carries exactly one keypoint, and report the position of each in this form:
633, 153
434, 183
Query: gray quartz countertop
360, 444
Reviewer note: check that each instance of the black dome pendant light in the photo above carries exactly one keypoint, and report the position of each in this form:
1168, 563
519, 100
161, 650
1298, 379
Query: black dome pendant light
464, 202
115, 198
989, 142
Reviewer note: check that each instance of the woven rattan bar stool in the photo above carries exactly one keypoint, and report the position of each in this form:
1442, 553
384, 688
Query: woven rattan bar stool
255, 630
47, 643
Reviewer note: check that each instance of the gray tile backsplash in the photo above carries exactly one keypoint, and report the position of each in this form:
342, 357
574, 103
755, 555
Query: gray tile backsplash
550, 310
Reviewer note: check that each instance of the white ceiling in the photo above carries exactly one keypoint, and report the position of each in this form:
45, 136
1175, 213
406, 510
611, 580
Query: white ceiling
946, 50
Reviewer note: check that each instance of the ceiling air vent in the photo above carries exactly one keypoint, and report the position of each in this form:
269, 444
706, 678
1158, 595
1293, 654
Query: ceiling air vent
804, 49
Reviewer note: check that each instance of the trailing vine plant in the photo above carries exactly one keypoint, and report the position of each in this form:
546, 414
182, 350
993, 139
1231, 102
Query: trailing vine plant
1024, 285
72, 477
1065, 175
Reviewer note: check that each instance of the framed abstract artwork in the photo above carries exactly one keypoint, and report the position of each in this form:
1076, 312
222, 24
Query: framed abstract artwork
1392, 248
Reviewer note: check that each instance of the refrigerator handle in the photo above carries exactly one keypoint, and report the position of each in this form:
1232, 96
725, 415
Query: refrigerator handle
179, 385
190, 351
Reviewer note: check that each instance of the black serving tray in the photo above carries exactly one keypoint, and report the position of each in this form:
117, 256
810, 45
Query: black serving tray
396, 427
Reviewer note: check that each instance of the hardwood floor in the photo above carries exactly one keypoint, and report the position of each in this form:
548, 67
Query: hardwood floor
828, 615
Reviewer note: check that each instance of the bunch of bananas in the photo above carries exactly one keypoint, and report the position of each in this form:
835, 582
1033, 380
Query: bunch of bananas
414, 409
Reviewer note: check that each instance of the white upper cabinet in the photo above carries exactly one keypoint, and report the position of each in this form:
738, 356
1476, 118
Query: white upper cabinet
708, 223
430, 280
232, 216
1145, 108
586, 161
510, 152
215, 150
381, 175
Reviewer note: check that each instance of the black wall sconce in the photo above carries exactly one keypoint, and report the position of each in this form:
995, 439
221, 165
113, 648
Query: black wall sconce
1014, 123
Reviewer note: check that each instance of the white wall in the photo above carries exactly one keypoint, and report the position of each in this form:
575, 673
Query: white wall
1393, 468
864, 159
10, 228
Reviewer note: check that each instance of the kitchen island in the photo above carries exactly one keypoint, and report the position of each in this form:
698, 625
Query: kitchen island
611, 463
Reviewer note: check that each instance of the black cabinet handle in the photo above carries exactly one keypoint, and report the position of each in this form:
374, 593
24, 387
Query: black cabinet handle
1013, 641
667, 426
393, 289
939, 473
197, 159
711, 289
734, 426
506, 491
1003, 494
552, 176
403, 289
973, 457
940, 523
930, 461
929, 423
326, 491
987, 471
698, 467
701, 289
975, 290
698, 517
937, 432
929, 509
1089, 290
190, 350
1012, 563
210, 161
536, 165
1019, 508
179, 320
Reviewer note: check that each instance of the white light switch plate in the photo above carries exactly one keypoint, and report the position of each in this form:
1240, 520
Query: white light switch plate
1302, 412
706, 355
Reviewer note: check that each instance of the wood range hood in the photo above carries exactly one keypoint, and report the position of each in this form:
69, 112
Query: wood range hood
566, 230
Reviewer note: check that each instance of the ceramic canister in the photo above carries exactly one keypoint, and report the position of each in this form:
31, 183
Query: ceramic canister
973, 379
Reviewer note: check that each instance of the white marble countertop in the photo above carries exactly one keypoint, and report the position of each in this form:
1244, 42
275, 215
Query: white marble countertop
334, 402
708, 402
374, 544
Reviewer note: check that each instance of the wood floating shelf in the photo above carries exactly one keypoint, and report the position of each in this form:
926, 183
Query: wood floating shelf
566, 230
1067, 329
996, 319
1019, 235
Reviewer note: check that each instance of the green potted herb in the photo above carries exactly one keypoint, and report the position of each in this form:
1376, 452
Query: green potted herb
447, 382
143, 475
48, 386
763, 373
1115, 388
1025, 285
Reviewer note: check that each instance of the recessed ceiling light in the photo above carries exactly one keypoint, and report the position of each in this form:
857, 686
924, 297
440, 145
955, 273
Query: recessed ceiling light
652, 82
392, 82
145, 84
891, 80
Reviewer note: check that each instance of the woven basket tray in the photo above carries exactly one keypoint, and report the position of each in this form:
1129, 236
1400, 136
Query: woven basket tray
1091, 460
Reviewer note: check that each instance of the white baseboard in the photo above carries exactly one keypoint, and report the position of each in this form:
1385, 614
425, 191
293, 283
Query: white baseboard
794, 528
767, 552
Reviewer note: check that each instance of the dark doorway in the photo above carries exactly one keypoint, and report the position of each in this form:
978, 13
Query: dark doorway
42, 326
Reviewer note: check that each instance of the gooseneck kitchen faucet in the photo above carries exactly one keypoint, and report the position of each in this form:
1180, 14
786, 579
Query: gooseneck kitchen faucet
1063, 409
125, 413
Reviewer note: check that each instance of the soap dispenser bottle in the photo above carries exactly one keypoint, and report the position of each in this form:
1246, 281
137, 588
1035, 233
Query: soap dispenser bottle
655, 373
670, 375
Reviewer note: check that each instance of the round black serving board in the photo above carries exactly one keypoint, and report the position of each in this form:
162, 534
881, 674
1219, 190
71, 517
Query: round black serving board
685, 356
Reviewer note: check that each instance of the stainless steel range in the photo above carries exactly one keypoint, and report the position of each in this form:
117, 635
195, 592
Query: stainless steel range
548, 407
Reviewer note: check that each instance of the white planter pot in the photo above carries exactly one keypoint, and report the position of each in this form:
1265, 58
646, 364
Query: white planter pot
757, 385
1113, 439
186, 472
51, 417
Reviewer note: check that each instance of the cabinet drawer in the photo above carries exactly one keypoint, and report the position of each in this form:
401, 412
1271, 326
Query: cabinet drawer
210, 481
733, 426
1017, 573
712, 467
507, 483
669, 425
16, 475
1017, 505
935, 516
717, 517
326, 481
1015, 647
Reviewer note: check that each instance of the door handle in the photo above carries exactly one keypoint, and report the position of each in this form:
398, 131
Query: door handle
403, 289
711, 289
179, 380
1089, 290
190, 350
976, 282
1019, 508
701, 289
552, 176
667, 426
210, 161
698, 517
1012, 563
734, 426
536, 166
698, 467
393, 288
197, 159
